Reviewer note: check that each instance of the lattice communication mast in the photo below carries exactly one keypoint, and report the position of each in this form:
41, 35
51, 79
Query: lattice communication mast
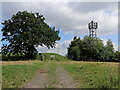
92, 26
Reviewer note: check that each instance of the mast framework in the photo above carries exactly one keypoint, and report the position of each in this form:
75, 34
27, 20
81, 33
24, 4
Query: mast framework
92, 26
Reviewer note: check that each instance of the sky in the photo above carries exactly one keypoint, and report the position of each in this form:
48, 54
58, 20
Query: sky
71, 18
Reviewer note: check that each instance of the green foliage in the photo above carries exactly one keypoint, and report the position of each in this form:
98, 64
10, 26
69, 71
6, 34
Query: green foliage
37, 56
25, 31
13, 57
75, 53
109, 50
117, 55
90, 49
73, 50
46, 56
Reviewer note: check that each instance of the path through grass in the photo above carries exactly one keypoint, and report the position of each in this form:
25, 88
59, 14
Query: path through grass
84, 74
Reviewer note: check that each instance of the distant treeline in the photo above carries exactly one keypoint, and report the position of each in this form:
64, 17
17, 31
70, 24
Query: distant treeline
92, 49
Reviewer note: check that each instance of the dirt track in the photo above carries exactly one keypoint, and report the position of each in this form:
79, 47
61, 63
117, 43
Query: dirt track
40, 80
64, 80
37, 81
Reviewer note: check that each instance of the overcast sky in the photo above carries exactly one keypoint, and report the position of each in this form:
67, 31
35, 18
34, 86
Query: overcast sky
72, 19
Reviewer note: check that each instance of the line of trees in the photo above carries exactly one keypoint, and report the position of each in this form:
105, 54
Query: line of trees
92, 49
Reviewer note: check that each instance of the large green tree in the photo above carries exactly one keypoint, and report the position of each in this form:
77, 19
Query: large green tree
73, 49
25, 31
93, 48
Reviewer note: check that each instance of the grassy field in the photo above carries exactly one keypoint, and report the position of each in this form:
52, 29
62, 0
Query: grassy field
85, 74
14, 75
94, 74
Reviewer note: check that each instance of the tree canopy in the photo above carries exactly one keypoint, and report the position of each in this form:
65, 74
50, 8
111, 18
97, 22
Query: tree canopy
25, 31
91, 49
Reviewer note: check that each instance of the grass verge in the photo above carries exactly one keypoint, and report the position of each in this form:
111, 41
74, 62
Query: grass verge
51, 80
94, 75
14, 75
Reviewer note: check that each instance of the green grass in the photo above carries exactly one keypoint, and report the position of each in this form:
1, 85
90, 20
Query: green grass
58, 57
51, 80
14, 75
85, 74
94, 75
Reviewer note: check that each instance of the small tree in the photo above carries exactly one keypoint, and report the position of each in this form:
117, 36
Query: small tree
117, 56
109, 50
25, 31
74, 49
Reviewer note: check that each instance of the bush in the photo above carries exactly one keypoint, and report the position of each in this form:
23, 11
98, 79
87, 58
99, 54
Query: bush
37, 56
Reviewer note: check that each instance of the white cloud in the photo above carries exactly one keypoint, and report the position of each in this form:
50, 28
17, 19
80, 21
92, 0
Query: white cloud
60, 1
71, 17
61, 48
115, 46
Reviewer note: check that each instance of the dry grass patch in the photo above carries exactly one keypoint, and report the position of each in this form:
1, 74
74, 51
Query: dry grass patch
19, 62
104, 63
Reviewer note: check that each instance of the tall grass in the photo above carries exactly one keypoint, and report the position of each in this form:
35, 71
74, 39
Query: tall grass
94, 75
14, 75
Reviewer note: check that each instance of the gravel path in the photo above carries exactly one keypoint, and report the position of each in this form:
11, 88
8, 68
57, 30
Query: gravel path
62, 78
37, 81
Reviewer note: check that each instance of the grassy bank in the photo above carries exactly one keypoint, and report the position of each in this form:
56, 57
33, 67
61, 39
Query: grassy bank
94, 75
57, 57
